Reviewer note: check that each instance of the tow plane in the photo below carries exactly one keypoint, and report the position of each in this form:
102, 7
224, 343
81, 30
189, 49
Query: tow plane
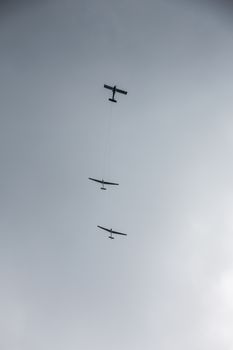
114, 89
102, 182
112, 232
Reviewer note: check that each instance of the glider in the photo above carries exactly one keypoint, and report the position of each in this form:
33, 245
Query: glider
103, 182
114, 90
112, 232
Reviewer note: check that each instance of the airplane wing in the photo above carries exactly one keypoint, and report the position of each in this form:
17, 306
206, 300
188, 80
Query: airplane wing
108, 87
110, 183
119, 233
103, 228
90, 178
121, 91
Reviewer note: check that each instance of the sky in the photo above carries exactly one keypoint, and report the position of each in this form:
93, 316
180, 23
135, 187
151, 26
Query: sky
168, 285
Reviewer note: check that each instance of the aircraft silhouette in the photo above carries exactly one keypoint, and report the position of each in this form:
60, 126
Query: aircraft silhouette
114, 90
103, 183
112, 232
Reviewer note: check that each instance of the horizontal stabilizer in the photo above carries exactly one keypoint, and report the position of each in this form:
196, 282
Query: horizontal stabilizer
112, 100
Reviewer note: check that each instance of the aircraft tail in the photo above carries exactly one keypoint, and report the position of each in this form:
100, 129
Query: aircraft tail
112, 100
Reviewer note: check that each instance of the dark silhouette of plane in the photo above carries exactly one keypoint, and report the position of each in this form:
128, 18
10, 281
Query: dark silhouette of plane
112, 232
103, 183
114, 90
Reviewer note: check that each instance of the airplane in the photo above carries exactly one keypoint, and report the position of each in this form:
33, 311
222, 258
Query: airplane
112, 232
114, 90
103, 183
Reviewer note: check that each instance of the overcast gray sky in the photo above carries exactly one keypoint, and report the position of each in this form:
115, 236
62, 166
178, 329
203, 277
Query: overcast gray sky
169, 284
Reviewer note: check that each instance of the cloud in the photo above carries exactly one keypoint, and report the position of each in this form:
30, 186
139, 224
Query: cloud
11, 6
168, 285
225, 5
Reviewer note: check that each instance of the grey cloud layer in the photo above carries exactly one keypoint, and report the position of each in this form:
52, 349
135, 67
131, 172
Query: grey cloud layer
64, 285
